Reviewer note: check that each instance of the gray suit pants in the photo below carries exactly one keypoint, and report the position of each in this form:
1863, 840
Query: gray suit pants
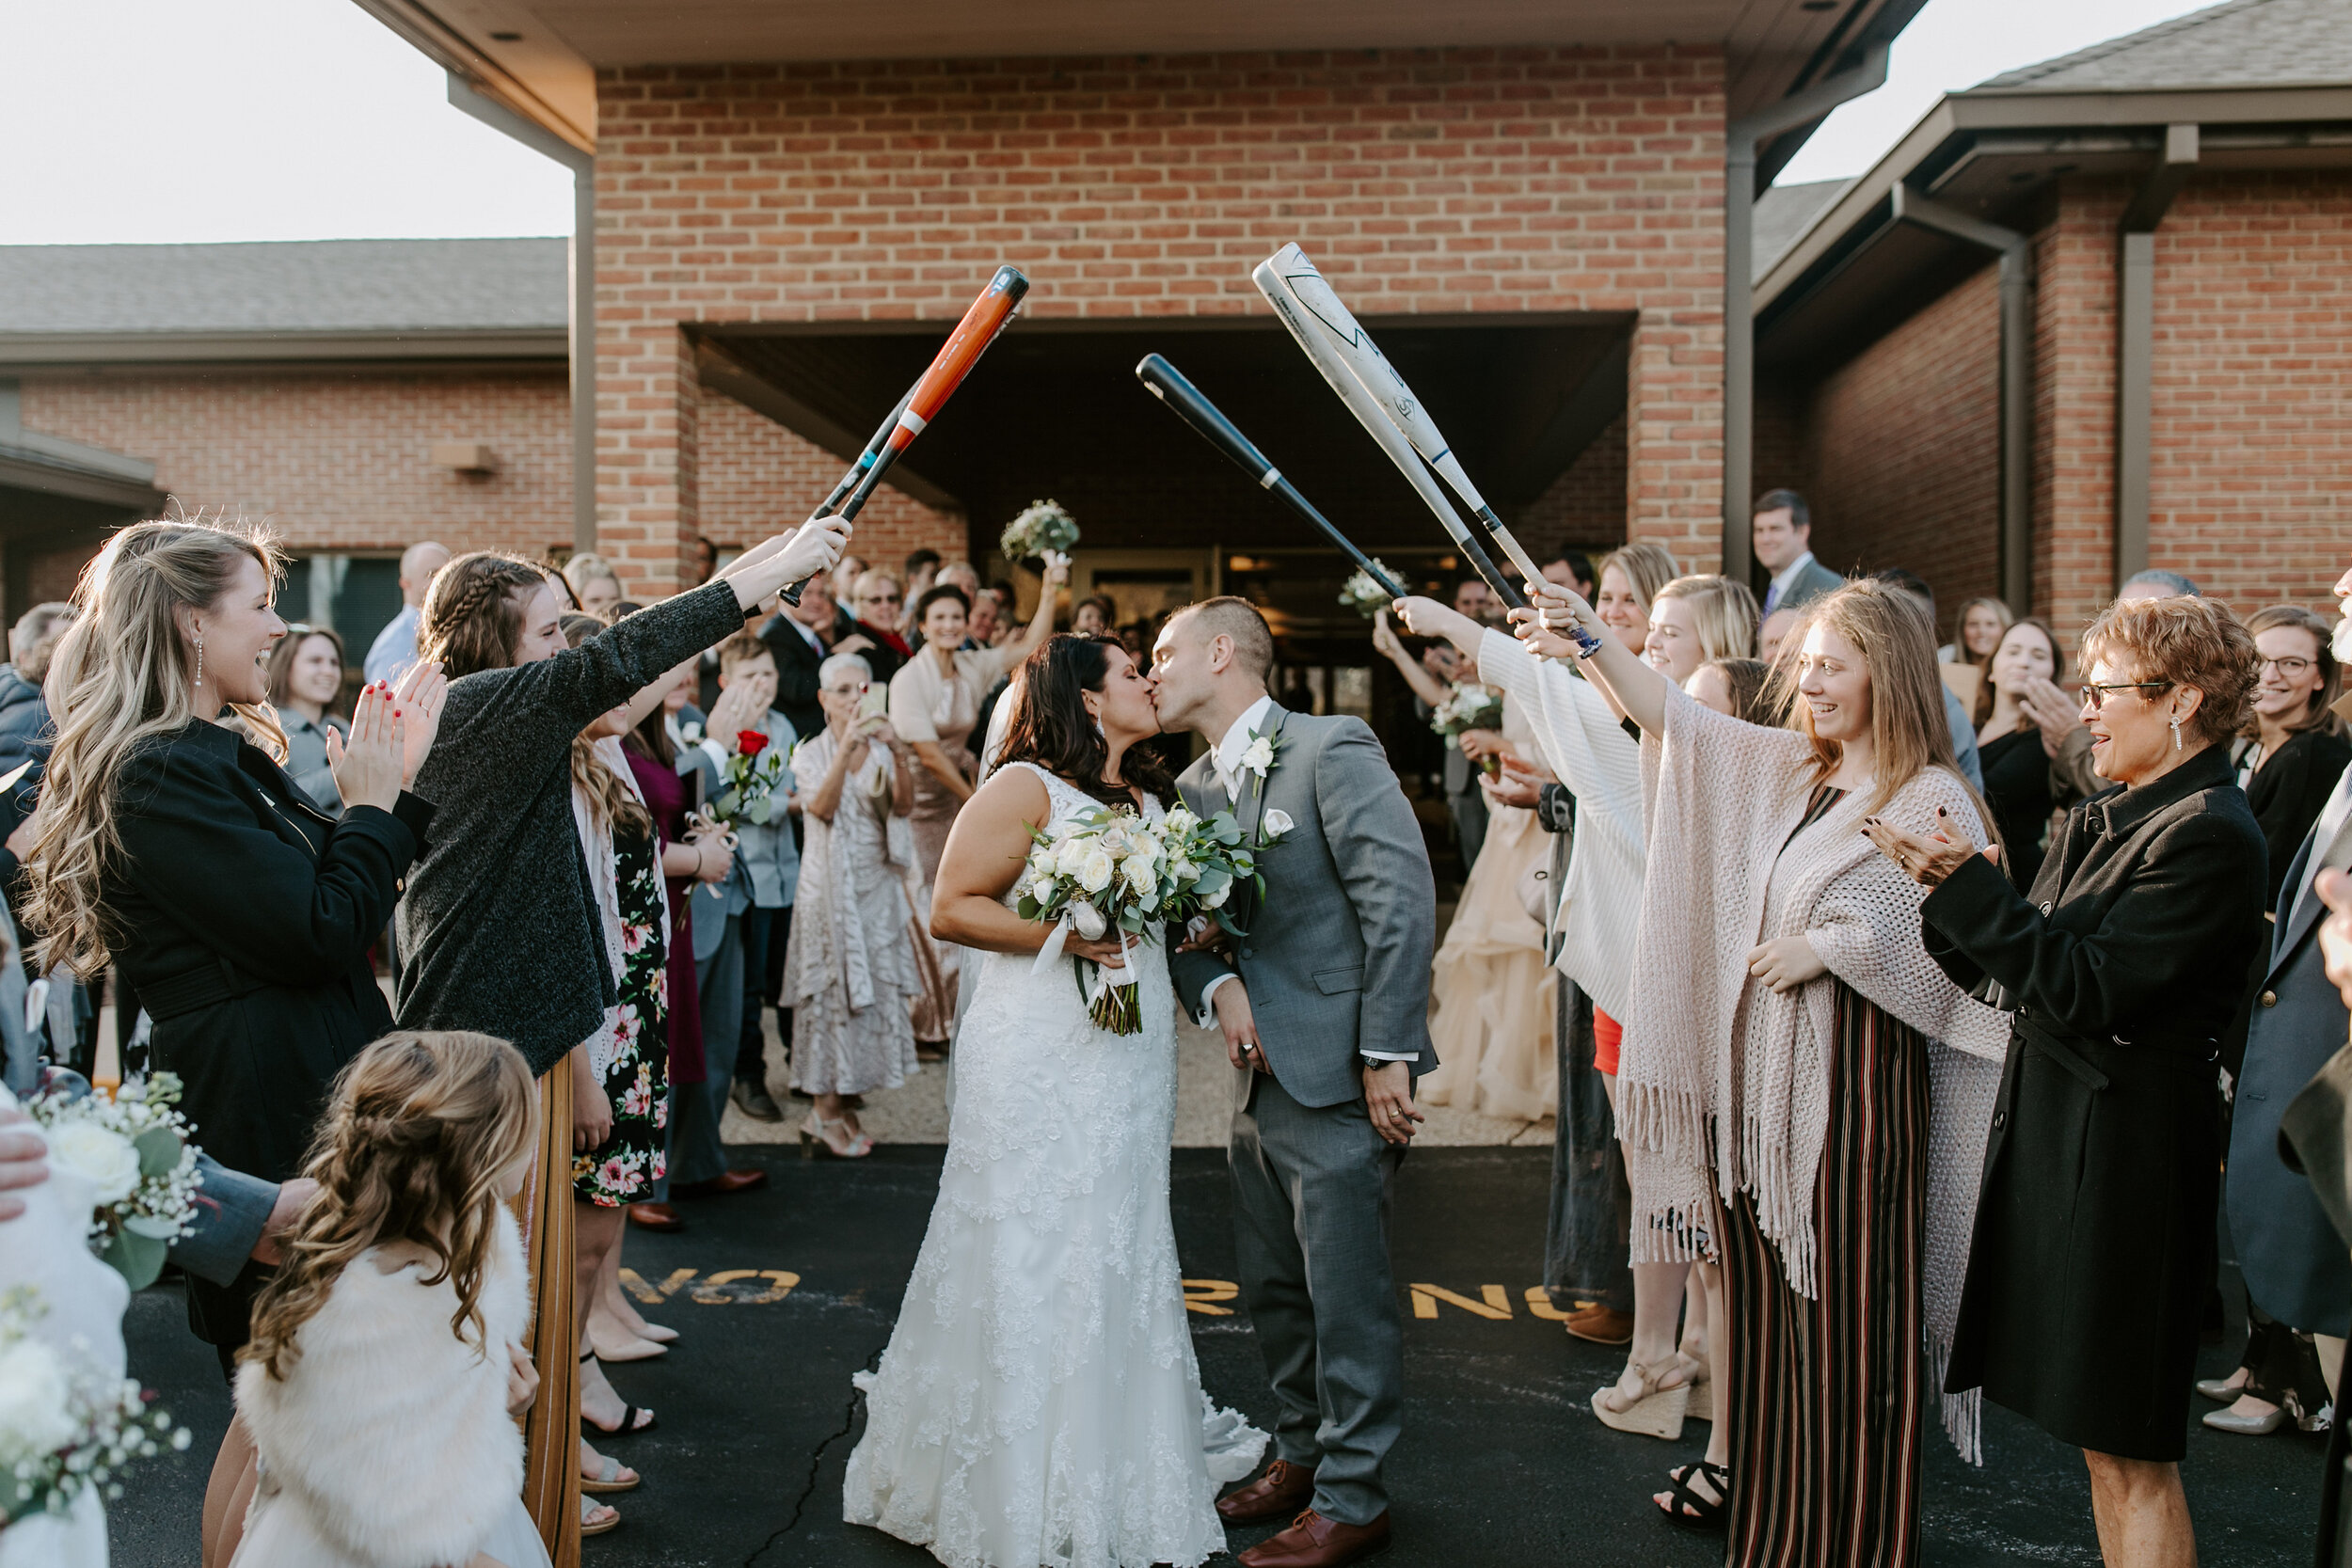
1310, 1201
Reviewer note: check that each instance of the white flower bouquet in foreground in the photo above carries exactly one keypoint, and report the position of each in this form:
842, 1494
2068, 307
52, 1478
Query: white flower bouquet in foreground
1364, 595
66, 1426
135, 1152
1109, 870
1468, 707
1042, 530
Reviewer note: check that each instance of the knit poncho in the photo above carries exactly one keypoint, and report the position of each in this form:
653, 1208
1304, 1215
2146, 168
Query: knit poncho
1723, 1082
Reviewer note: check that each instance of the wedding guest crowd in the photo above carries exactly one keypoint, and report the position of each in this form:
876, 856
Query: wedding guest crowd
1906, 1016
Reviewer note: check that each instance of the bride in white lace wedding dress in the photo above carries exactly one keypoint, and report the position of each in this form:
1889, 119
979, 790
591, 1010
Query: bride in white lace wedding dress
1039, 1403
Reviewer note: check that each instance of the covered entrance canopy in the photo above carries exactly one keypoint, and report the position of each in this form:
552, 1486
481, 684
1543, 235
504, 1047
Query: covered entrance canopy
1055, 409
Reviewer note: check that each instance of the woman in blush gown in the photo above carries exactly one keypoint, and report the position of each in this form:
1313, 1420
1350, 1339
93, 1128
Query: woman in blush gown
1040, 1402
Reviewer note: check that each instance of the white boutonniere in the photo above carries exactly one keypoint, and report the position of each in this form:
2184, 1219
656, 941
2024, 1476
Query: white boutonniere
1258, 760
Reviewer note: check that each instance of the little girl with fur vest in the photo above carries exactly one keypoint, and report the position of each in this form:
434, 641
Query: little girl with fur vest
386, 1364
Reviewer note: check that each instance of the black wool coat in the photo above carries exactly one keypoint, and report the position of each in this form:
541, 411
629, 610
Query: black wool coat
2094, 1232
244, 915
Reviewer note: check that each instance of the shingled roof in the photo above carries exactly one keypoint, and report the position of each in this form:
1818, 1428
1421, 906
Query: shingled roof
301, 287
2257, 43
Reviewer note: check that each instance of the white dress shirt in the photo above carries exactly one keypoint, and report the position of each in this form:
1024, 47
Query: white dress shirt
394, 648
1226, 760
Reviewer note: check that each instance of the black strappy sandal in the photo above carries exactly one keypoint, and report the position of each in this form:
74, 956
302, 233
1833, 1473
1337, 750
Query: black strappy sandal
1691, 1511
629, 1425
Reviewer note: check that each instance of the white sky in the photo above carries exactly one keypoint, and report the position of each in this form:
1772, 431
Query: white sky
162, 121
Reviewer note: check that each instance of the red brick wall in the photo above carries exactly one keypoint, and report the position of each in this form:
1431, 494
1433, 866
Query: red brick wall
1533, 179
2251, 472
756, 475
337, 461
2073, 401
1904, 461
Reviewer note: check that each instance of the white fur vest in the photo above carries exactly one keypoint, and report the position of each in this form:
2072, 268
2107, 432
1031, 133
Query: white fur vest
389, 1432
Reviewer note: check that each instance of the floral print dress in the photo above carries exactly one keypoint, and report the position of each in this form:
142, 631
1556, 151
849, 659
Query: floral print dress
624, 1168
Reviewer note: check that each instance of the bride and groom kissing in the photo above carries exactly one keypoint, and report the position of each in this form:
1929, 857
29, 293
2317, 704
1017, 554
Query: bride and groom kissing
1040, 1402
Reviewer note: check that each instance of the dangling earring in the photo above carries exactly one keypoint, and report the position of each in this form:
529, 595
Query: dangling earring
2176, 732
199, 659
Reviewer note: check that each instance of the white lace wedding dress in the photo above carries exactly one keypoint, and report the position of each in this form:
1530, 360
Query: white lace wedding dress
1039, 1403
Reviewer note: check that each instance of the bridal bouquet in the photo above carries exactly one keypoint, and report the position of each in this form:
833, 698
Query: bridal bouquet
135, 1149
751, 776
1042, 530
1364, 595
65, 1427
1108, 869
1468, 707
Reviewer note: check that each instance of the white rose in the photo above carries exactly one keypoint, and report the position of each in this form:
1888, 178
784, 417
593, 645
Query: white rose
1217, 900
1089, 921
1042, 860
1141, 874
1072, 856
105, 1158
1260, 756
1179, 821
1278, 823
1096, 870
1043, 888
34, 1393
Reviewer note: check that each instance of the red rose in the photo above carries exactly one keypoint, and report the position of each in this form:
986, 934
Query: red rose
750, 742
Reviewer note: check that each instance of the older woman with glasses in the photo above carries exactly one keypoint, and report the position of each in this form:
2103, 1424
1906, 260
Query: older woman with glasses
850, 975
2121, 969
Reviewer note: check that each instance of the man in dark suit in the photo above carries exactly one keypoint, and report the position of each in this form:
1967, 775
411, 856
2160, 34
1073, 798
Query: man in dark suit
800, 638
1782, 540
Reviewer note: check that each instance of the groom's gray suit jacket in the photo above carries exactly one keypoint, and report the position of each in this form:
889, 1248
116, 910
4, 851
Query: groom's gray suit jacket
1337, 961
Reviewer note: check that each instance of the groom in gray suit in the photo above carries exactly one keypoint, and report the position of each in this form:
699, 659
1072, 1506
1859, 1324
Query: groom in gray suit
1324, 1006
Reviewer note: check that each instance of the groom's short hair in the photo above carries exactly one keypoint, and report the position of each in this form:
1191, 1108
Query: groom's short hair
1253, 641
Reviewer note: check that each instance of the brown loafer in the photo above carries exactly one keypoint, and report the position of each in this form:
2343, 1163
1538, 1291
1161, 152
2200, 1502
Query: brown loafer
1315, 1542
655, 1216
1602, 1325
1281, 1491
719, 1185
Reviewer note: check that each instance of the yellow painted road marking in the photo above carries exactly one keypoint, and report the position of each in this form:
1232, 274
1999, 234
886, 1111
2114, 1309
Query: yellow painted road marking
1497, 1302
1200, 1296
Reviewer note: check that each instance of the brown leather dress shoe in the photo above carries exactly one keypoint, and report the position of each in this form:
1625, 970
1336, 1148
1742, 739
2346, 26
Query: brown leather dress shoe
720, 1184
1315, 1542
1281, 1492
1602, 1325
655, 1216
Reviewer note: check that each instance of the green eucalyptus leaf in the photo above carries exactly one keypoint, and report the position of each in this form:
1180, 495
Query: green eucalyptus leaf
138, 1258
159, 1149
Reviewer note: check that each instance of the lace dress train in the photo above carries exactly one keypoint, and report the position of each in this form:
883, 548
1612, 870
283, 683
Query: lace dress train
1040, 1405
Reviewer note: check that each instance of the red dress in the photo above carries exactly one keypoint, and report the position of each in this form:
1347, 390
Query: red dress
665, 797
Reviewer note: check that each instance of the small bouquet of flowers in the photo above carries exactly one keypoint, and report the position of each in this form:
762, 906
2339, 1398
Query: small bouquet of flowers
135, 1149
1040, 532
753, 774
1364, 595
1468, 707
1108, 869
65, 1426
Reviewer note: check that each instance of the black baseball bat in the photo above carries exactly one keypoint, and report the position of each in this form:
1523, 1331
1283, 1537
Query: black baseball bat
987, 316
1165, 382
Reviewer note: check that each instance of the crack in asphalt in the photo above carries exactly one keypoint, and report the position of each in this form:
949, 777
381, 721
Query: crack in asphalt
816, 1462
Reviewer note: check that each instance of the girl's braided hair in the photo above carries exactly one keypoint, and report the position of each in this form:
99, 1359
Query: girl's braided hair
473, 613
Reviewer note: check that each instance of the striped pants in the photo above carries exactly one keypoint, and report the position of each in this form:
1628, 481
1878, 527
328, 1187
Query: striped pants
1828, 1395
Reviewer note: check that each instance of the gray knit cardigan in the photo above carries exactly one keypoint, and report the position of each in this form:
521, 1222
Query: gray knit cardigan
498, 930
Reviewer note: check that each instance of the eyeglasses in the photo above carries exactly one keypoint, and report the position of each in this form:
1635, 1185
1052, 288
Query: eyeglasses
2290, 668
2094, 695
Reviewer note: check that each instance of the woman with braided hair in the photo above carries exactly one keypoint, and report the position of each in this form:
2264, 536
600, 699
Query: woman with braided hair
500, 931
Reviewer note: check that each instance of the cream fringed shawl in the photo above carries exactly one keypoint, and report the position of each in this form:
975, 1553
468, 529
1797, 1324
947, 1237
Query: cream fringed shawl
1723, 1083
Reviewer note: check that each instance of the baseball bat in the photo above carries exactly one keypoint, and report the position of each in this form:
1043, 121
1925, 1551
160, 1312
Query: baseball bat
1165, 382
1368, 413
1321, 307
987, 316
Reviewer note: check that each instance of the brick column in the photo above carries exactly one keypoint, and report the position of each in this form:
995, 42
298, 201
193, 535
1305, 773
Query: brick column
1675, 436
2073, 401
649, 402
